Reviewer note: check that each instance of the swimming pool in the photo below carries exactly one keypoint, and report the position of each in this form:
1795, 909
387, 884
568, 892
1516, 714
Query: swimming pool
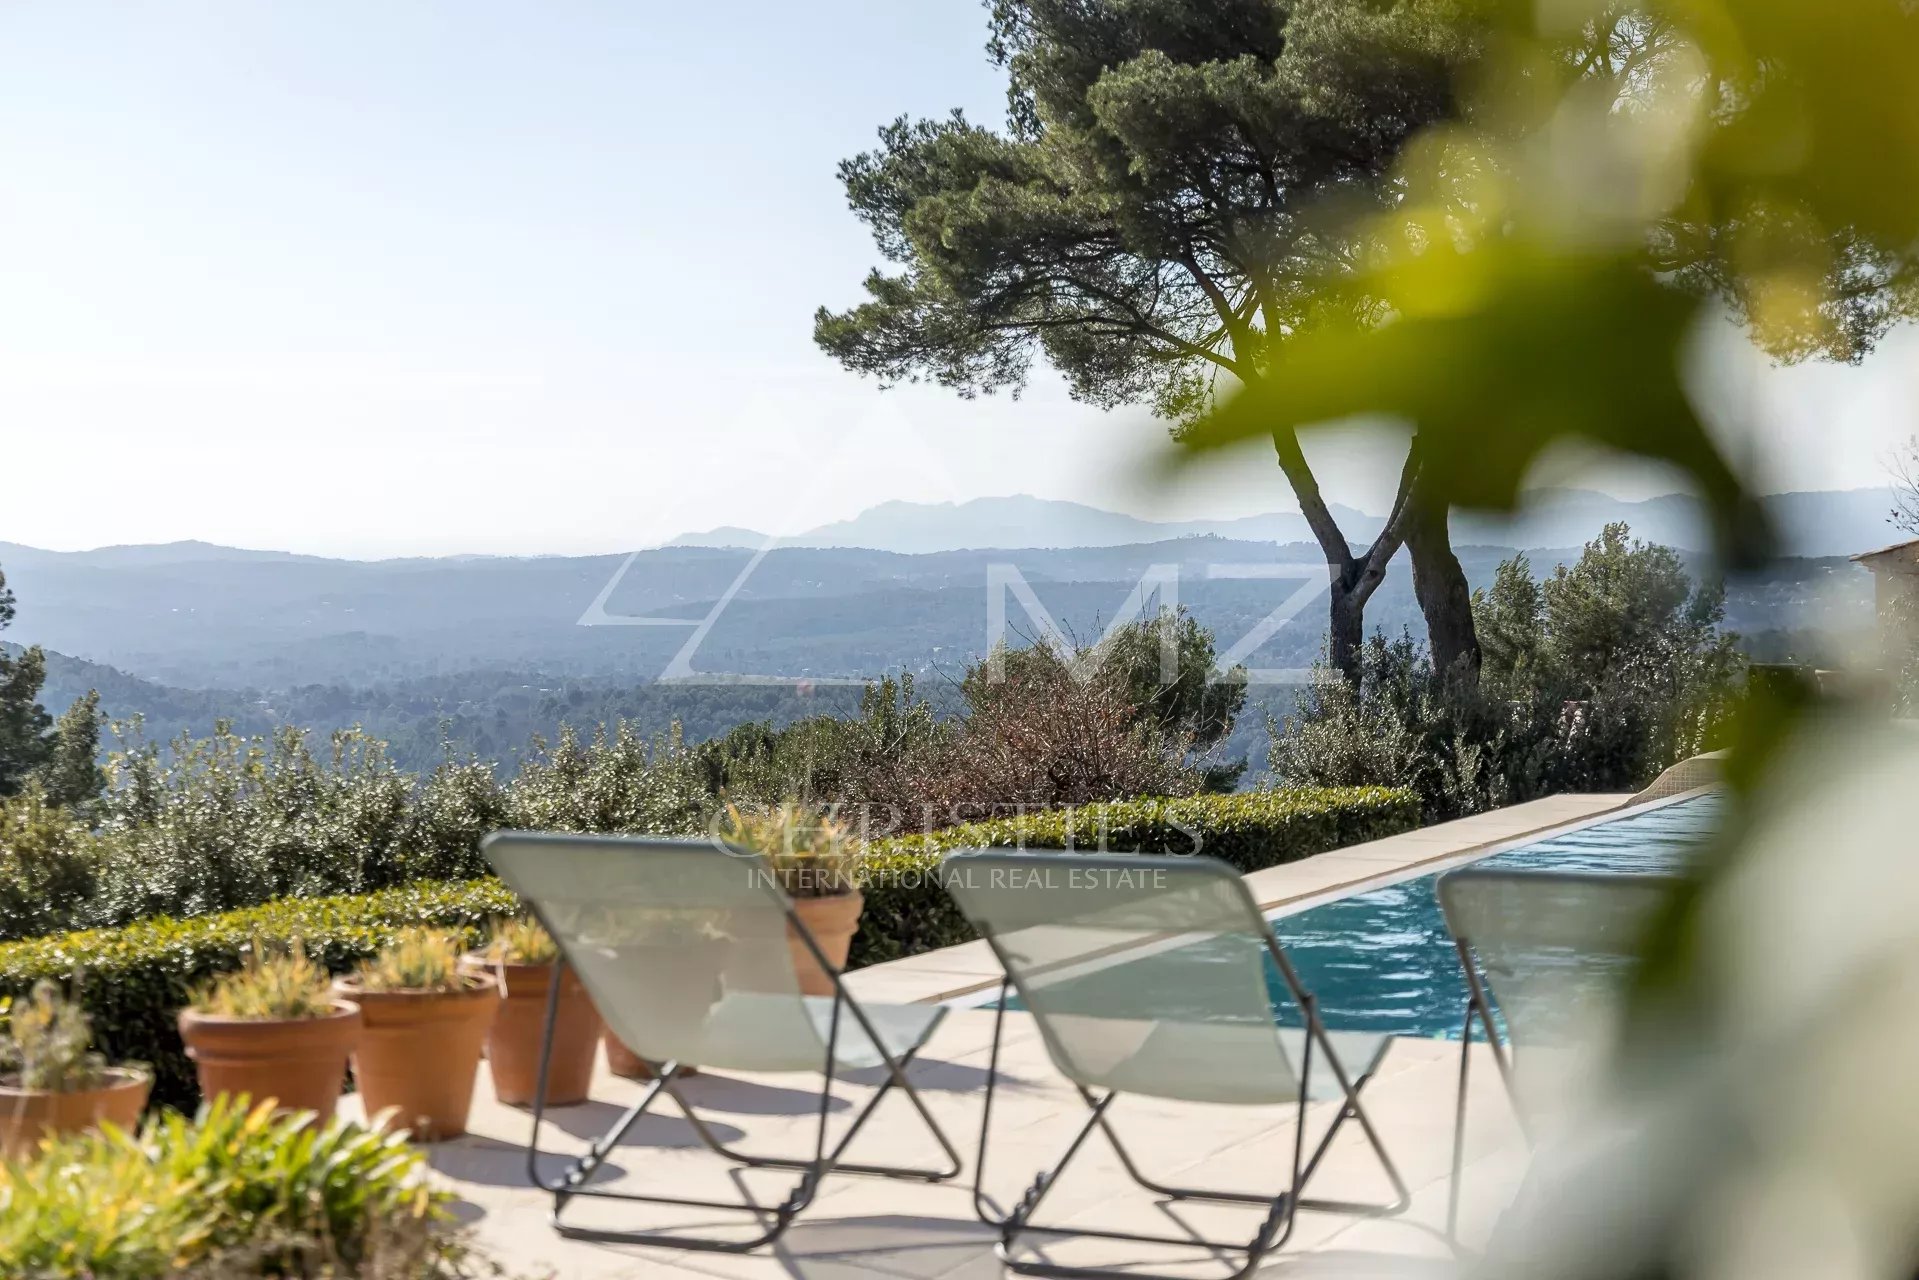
1381, 960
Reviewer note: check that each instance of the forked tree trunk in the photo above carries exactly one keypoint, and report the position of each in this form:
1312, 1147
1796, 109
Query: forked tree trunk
1444, 597
1348, 627
1353, 578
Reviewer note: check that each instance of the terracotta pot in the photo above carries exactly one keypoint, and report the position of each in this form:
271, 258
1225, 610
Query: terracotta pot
832, 921
300, 1062
419, 1052
28, 1115
513, 1042
622, 1061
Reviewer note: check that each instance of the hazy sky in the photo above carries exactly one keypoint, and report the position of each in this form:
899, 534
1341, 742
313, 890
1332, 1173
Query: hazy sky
375, 279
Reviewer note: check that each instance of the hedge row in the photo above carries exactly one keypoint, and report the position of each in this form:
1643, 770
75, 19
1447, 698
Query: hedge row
134, 979
907, 912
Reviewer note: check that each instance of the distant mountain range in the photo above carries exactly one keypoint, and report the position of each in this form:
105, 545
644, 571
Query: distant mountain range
1821, 523
484, 651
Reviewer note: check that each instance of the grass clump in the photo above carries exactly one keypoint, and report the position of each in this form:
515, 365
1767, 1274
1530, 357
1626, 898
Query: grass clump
283, 986
418, 959
47, 1043
519, 940
810, 853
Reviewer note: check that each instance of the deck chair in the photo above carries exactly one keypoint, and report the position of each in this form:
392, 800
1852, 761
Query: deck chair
1546, 955
683, 945
1147, 976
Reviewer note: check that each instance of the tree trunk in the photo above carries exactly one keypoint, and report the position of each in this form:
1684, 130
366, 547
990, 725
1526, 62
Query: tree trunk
1354, 579
1444, 598
1348, 625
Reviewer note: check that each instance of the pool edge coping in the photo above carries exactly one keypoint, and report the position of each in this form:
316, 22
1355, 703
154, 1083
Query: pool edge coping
963, 984
1461, 857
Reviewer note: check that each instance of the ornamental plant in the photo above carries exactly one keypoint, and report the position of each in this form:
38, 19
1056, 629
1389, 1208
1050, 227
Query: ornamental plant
418, 959
47, 1044
809, 852
286, 985
236, 1191
521, 940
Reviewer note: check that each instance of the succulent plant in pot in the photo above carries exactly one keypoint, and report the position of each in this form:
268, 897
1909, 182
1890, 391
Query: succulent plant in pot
52, 1082
523, 959
814, 858
272, 1029
423, 1020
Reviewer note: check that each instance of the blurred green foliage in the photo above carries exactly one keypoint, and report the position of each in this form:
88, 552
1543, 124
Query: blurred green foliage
235, 1191
1619, 172
1621, 176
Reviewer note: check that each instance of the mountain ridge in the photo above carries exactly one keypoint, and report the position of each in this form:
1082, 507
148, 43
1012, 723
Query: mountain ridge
1815, 523
1812, 523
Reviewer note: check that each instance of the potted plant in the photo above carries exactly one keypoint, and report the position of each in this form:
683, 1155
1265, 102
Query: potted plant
622, 1061
51, 1080
522, 958
814, 860
423, 1018
272, 1029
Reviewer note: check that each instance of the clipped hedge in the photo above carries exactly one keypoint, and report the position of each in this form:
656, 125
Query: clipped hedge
907, 912
134, 979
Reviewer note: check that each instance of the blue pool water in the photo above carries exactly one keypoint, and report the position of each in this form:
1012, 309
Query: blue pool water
1383, 961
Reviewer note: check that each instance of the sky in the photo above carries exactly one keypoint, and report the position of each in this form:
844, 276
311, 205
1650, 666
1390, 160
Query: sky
368, 279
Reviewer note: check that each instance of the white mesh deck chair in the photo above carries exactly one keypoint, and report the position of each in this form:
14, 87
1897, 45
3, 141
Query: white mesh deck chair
683, 946
1547, 953
1147, 975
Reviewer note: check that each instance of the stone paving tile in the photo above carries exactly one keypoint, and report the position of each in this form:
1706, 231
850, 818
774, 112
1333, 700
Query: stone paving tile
862, 1228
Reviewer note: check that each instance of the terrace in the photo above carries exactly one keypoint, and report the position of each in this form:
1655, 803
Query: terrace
862, 1228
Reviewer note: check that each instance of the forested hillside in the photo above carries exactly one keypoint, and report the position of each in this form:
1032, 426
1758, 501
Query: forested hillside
483, 656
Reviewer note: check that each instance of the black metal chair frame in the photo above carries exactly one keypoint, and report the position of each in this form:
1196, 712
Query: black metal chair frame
1282, 1209
1479, 1005
1482, 1007
573, 1183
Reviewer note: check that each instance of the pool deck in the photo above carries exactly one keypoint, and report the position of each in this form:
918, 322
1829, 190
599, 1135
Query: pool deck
861, 1228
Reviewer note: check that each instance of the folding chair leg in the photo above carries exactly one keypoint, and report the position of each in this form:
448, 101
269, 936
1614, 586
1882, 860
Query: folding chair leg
1459, 1130
572, 1183
1282, 1211
1477, 1006
1349, 1112
1356, 1111
1272, 1233
953, 1169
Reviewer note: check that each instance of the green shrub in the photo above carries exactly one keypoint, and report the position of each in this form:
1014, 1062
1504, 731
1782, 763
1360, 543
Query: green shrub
134, 980
49, 866
222, 822
907, 911
199, 826
1595, 678
215, 824
236, 1191
46, 1042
